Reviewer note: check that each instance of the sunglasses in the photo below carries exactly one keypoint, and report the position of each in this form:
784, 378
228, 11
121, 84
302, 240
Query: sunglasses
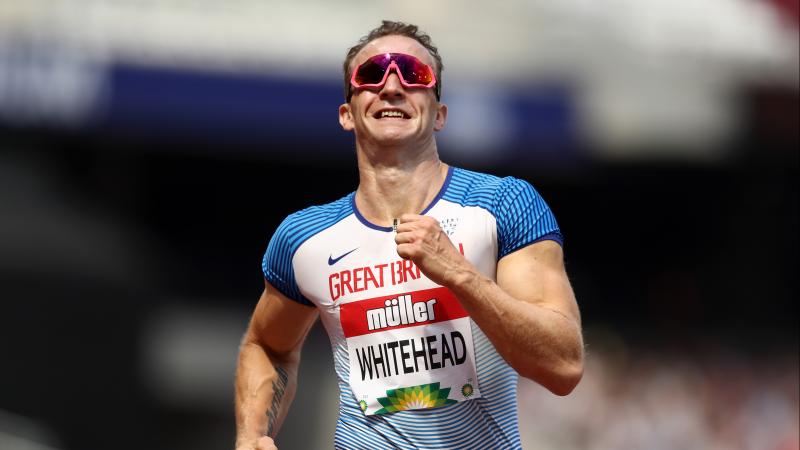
412, 72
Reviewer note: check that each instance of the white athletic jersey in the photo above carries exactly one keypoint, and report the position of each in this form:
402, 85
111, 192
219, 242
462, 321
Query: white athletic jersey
414, 370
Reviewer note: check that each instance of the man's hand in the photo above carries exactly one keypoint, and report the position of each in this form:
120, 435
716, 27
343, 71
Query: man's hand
421, 240
262, 443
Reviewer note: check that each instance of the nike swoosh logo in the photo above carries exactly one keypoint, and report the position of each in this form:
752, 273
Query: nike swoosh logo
332, 260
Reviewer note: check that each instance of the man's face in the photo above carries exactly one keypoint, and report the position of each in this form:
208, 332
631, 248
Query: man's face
422, 114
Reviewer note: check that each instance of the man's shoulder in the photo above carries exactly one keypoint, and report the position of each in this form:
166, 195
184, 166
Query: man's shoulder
469, 187
300, 226
308, 221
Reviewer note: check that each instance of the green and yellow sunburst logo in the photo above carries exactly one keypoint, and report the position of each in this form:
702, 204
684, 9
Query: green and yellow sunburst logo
414, 397
363, 405
467, 390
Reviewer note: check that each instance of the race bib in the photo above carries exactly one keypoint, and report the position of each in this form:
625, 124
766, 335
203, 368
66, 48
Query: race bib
409, 351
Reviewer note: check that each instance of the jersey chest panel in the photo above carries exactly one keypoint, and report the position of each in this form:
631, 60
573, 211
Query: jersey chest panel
350, 262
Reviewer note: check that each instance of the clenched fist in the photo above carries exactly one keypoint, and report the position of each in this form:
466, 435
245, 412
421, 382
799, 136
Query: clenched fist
421, 240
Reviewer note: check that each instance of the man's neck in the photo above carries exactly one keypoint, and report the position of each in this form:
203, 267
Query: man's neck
394, 182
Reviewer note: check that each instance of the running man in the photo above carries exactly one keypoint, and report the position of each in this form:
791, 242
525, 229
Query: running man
436, 285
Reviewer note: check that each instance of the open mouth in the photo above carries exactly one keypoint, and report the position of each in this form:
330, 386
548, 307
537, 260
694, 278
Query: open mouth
390, 114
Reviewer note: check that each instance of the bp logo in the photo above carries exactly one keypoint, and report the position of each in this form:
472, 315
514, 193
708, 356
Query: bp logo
414, 397
363, 405
467, 390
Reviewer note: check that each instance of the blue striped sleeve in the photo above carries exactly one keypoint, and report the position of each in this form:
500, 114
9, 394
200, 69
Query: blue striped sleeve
277, 263
523, 217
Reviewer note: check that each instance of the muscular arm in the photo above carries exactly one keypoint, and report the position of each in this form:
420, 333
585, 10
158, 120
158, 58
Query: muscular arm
529, 313
266, 375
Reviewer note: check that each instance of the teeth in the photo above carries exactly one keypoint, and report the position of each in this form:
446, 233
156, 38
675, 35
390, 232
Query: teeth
392, 114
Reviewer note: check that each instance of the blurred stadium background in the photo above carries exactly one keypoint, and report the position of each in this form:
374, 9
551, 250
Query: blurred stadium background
148, 149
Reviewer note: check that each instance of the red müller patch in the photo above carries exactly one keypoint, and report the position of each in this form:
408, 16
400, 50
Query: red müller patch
399, 311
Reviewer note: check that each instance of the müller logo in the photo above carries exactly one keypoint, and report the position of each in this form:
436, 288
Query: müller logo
400, 311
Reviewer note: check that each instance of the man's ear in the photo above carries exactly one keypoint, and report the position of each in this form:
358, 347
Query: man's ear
346, 117
441, 117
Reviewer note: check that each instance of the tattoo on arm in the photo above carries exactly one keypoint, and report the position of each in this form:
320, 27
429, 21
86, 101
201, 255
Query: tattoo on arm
278, 389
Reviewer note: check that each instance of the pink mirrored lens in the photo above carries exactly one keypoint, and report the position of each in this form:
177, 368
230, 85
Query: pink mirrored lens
413, 72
